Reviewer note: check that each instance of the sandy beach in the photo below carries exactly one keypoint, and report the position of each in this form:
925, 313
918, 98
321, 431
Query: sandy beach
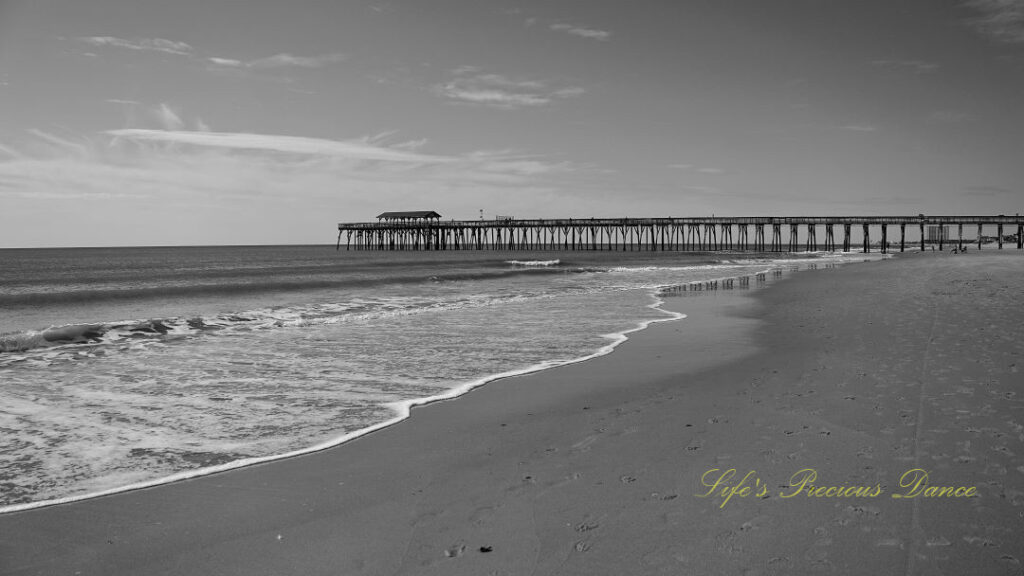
858, 375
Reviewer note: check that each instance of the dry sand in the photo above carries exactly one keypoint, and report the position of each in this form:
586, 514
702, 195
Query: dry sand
861, 373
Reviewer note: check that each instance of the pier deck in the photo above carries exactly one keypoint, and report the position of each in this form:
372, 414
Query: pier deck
672, 234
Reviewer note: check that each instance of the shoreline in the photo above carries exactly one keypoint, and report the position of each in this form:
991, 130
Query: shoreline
403, 409
592, 467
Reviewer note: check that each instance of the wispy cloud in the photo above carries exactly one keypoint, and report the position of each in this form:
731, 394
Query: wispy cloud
280, 61
384, 138
989, 191
509, 163
499, 91
121, 101
151, 44
859, 128
913, 66
690, 190
569, 92
697, 169
59, 144
582, 31
375, 148
347, 149
226, 62
11, 152
176, 166
1000, 20
946, 116
168, 118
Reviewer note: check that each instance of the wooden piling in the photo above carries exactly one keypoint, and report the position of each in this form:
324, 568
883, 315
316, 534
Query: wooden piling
812, 238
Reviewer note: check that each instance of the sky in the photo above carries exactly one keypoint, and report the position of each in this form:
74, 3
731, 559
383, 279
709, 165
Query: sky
196, 122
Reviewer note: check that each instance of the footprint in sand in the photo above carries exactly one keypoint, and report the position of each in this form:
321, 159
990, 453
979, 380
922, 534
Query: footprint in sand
907, 417
628, 430
455, 551
482, 515
1010, 559
818, 559
1016, 497
862, 510
980, 541
890, 543
726, 542
753, 524
524, 484
994, 469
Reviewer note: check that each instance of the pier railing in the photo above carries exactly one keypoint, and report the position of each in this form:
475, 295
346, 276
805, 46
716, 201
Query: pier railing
663, 234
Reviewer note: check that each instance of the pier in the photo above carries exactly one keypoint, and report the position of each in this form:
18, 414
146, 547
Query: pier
410, 231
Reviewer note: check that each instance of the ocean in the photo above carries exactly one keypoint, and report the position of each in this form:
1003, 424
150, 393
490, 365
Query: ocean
129, 367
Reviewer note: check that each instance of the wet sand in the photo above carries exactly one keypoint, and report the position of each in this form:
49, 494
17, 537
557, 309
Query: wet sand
860, 373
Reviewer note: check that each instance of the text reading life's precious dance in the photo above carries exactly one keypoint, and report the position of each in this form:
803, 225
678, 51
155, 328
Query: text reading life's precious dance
723, 485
